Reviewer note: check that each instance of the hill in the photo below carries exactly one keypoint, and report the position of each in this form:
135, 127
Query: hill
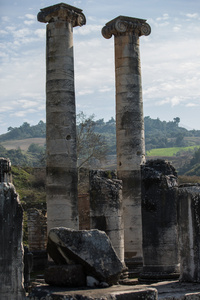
25, 145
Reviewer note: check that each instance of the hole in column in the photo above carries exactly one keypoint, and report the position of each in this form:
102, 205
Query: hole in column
120, 163
68, 137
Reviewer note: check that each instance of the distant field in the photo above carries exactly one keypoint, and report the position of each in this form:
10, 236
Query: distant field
23, 144
169, 151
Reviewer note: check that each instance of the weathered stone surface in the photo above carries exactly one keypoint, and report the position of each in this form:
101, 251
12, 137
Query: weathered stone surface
28, 265
116, 292
62, 178
189, 232
37, 229
11, 250
129, 126
92, 249
159, 220
106, 211
65, 275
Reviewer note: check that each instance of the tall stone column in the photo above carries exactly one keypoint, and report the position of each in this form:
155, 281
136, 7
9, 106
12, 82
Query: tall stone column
61, 168
129, 127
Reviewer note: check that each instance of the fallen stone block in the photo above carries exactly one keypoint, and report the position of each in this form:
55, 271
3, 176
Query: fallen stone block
65, 275
92, 249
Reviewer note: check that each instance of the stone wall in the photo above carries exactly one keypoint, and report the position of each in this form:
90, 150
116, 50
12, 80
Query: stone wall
37, 230
106, 211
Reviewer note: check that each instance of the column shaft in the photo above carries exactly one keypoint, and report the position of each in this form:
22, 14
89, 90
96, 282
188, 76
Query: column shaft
130, 138
129, 127
62, 204
61, 167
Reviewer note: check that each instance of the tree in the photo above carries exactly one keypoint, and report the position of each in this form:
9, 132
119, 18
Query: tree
177, 121
35, 148
91, 146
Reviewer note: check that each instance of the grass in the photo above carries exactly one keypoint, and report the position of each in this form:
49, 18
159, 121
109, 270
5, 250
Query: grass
31, 190
170, 151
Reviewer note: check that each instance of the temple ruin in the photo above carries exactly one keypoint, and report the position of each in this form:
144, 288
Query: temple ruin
136, 217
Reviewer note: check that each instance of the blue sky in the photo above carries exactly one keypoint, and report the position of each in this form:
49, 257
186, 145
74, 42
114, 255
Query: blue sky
170, 59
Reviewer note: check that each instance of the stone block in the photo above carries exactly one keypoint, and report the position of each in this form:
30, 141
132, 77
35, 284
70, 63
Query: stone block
65, 275
92, 249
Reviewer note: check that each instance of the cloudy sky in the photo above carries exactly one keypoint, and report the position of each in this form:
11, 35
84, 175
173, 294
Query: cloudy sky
170, 59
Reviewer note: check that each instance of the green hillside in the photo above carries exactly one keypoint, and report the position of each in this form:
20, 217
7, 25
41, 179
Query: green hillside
171, 151
25, 145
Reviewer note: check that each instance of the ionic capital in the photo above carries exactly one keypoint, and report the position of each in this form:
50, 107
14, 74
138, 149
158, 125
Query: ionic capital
62, 12
121, 25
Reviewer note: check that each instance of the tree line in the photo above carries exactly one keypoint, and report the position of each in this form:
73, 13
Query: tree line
96, 139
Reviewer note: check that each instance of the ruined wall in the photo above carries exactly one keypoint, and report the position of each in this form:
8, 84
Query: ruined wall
37, 230
189, 232
106, 211
11, 249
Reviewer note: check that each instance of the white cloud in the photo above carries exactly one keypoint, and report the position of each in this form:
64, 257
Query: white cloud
27, 103
192, 104
21, 33
5, 19
177, 27
18, 114
3, 32
105, 89
172, 101
31, 17
29, 22
85, 30
192, 16
85, 92
41, 33
164, 17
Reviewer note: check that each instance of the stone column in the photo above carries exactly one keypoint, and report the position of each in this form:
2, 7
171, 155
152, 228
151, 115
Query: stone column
11, 249
129, 126
189, 232
160, 222
61, 168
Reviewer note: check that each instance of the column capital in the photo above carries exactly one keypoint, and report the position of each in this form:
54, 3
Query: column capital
121, 25
62, 12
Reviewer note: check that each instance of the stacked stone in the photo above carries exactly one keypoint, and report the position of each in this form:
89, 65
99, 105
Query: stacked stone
61, 180
11, 249
160, 222
106, 211
37, 230
129, 128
